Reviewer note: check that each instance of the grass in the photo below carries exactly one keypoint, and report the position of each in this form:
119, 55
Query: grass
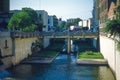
45, 54
50, 52
90, 55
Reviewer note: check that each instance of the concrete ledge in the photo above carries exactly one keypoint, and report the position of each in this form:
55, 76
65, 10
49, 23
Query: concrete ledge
38, 61
92, 62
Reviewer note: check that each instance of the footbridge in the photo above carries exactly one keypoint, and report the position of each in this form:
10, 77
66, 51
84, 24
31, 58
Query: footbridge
68, 35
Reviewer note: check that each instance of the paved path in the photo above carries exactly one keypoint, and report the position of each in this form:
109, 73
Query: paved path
46, 60
39, 60
92, 61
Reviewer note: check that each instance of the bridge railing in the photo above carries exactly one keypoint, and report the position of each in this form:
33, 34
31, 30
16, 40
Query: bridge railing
24, 34
69, 34
75, 34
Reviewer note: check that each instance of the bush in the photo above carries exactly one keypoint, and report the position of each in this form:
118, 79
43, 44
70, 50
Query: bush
113, 27
118, 46
90, 55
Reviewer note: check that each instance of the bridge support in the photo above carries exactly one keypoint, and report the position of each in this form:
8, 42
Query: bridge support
69, 45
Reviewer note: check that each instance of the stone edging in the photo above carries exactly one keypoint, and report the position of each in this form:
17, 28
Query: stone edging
92, 62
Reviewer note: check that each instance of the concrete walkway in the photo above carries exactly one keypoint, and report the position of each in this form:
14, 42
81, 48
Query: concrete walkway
36, 61
92, 61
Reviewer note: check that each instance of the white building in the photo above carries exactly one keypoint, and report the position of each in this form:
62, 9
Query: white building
89, 23
86, 23
80, 23
44, 17
50, 23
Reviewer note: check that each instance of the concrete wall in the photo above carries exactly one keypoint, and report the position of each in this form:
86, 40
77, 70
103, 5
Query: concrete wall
22, 49
5, 50
12, 51
118, 65
5, 44
109, 51
46, 42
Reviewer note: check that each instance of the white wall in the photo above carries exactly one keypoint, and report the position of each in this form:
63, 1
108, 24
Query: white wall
108, 49
46, 42
80, 23
118, 65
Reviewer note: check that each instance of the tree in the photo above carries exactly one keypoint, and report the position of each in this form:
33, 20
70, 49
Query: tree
117, 10
14, 22
25, 20
63, 25
68, 25
76, 21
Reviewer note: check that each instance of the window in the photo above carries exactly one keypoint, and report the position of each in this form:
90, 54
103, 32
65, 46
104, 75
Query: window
6, 44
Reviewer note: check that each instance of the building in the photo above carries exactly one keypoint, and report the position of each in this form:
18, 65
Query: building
74, 21
86, 23
111, 9
80, 23
50, 23
103, 12
95, 14
117, 11
44, 17
95, 22
71, 20
55, 23
4, 14
4, 6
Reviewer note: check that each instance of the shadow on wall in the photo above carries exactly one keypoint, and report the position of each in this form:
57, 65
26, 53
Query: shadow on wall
36, 46
13, 47
1, 57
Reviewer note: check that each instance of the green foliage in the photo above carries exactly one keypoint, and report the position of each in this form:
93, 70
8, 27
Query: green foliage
62, 26
113, 27
14, 22
76, 21
90, 55
117, 9
25, 20
118, 46
68, 25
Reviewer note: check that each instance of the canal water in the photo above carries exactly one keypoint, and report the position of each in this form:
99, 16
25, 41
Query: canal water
64, 67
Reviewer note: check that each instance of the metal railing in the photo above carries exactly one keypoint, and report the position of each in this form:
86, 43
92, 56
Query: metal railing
75, 34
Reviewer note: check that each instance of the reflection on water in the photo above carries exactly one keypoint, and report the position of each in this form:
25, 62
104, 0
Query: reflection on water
63, 68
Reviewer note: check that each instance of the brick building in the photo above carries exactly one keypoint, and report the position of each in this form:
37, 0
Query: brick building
4, 14
103, 12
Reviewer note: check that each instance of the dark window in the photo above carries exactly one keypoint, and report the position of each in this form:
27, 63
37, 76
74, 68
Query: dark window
6, 44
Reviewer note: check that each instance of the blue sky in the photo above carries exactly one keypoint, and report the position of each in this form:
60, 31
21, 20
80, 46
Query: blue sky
64, 9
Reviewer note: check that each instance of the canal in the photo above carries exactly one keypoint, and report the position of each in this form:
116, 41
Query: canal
64, 67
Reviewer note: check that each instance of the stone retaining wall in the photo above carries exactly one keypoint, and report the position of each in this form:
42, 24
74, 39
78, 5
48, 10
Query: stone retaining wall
22, 48
14, 50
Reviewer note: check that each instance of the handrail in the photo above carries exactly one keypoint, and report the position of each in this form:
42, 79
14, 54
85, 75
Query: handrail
53, 34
